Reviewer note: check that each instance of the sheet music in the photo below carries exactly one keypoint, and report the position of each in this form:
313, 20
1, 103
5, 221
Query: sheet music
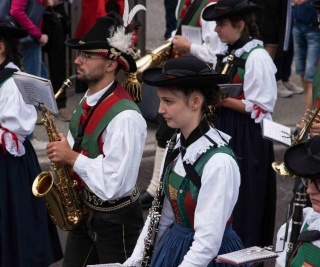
35, 90
192, 34
247, 255
276, 132
106, 265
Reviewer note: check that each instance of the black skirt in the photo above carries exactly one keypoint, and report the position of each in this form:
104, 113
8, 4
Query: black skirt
27, 235
254, 213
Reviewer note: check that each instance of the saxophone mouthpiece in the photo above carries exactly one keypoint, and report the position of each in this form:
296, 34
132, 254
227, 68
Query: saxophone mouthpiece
66, 84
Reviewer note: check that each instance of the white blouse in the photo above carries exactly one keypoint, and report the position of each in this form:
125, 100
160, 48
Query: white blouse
16, 117
309, 216
260, 86
211, 44
114, 174
217, 197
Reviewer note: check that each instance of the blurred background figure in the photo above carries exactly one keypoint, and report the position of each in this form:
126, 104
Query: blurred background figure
56, 25
30, 46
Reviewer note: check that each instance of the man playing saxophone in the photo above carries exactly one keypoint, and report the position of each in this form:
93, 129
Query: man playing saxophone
104, 147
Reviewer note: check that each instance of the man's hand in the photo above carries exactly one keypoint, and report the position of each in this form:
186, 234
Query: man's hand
315, 129
61, 152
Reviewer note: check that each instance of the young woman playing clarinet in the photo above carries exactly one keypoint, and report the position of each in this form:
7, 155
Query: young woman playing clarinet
201, 177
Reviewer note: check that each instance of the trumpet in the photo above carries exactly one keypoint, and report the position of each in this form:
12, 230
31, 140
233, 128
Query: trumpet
310, 117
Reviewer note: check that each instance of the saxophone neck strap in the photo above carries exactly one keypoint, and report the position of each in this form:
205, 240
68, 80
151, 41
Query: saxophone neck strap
81, 128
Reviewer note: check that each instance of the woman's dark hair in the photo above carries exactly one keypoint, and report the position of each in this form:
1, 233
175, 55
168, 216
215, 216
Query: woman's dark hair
212, 99
251, 28
11, 50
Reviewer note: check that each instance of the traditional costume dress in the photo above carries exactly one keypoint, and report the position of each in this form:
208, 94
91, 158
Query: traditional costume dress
254, 213
26, 232
195, 224
307, 253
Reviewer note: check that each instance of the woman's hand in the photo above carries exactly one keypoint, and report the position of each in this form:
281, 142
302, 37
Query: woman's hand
180, 44
43, 39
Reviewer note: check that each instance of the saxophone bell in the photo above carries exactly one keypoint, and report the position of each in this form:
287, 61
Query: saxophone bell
42, 184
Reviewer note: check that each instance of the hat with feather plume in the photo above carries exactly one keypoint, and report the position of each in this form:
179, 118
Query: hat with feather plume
112, 36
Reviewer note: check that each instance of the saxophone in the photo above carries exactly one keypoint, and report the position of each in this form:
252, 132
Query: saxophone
309, 117
61, 194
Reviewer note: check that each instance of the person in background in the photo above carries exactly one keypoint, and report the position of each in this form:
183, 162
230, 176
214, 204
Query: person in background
306, 39
27, 235
171, 21
30, 48
302, 160
187, 13
240, 116
104, 147
56, 25
195, 224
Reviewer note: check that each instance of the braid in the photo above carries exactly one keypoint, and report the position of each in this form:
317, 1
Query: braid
212, 99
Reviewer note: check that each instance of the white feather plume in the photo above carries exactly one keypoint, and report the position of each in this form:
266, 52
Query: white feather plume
120, 40
128, 16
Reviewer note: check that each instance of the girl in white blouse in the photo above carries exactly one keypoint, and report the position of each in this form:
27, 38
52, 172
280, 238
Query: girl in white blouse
24, 222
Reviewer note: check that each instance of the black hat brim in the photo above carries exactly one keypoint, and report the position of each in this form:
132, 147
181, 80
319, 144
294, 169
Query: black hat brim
79, 44
210, 13
298, 162
12, 32
155, 77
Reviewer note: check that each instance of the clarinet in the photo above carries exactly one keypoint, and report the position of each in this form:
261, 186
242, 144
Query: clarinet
155, 210
297, 218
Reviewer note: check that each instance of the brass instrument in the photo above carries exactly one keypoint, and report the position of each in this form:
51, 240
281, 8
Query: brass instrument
62, 196
152, 59
228, 64
309, 117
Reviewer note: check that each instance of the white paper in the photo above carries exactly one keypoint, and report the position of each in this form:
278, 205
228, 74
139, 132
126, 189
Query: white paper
106, 265
247, 255
35, 90
276, 132
192, 34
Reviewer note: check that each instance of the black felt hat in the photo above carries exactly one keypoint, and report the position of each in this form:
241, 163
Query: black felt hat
184, 71
109, 37
229, 8
316, 4
303, 159
9, 30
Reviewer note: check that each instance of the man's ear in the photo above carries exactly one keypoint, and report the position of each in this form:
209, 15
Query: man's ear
112, 65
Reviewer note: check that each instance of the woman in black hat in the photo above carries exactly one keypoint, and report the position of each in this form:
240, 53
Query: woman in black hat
24, 222
241, 117
303, 160
201, 178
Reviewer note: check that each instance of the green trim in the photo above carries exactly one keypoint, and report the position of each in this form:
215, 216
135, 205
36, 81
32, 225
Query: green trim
184, 185
90, 142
